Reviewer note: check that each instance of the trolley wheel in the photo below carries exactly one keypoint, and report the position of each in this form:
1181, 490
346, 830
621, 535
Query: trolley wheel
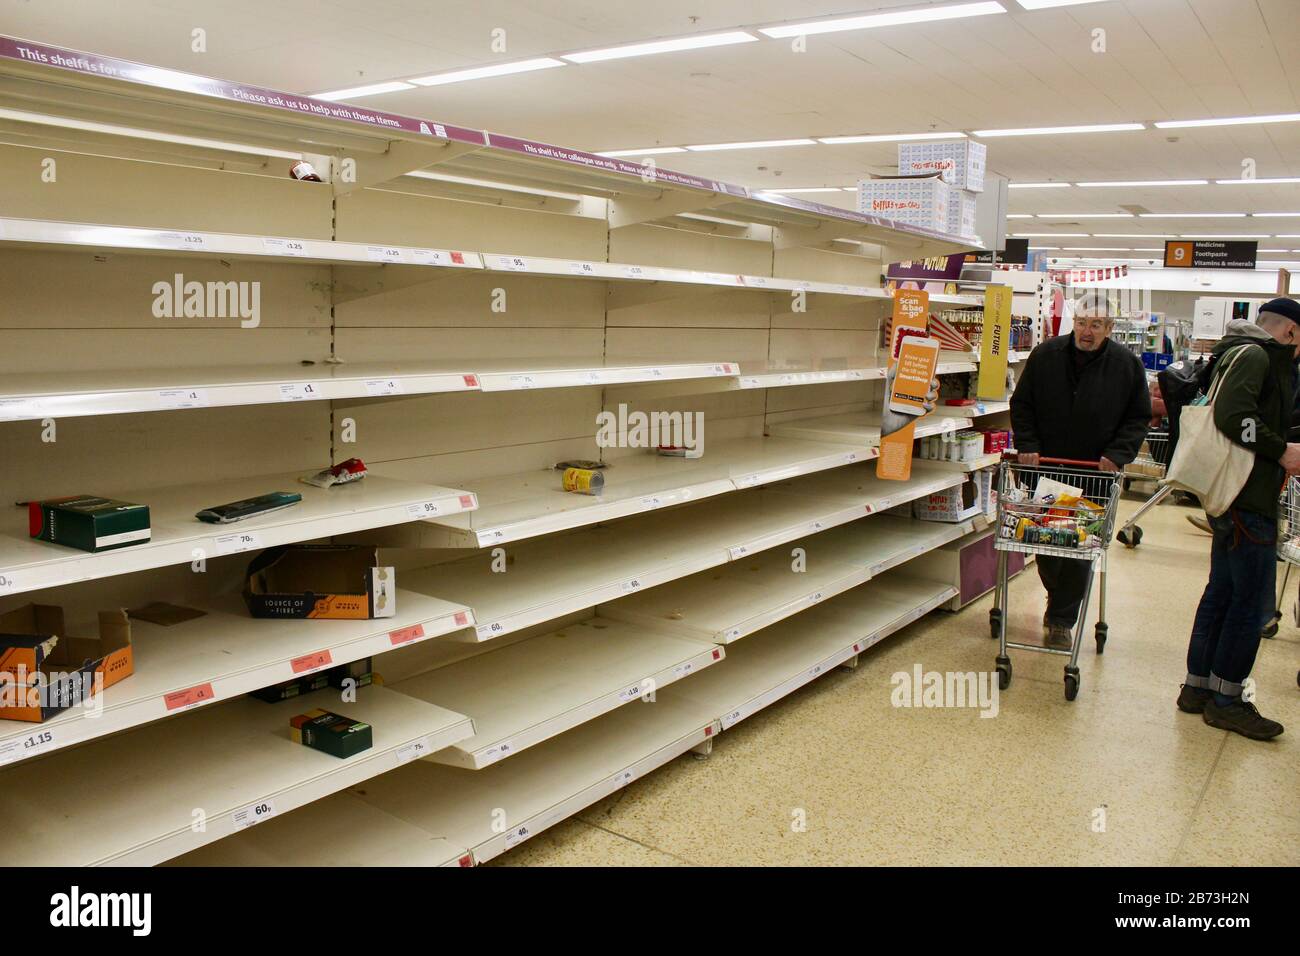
1270, 629
1130, 538
1102, 628
1071, 683
1128, 483
995, 623
1004, 672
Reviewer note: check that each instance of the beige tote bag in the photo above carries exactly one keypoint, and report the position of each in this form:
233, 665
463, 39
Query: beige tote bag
1206, 462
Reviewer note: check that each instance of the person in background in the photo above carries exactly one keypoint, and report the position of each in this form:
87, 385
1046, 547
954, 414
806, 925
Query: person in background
1253, 409
1080, 396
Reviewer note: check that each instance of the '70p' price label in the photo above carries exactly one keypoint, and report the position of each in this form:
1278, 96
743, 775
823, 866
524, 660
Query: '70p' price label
235, 543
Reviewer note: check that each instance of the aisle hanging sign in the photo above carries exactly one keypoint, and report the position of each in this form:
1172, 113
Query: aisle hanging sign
1211, 254
994, 342
907, 381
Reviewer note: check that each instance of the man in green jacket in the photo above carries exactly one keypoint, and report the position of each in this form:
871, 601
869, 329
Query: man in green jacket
1253, 409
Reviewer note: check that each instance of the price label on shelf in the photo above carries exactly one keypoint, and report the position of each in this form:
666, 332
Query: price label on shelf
734, 633
522, 381
629, 693
424, 509
12, 409
494, 629
815, 597
631, 584
235, 543
285, 247
384, 254
253, 814
816, 669
815, 526
414, 751
429, 257
582, 268
512, 263
467, 502
492, 534
407, 634
749, 383
518, 835
850, 457
593, 378
884, 504
634, 272
498, 751
8, 581
731, 719
384, 386
681, 670
29, 746
758, 281
183, 240
651, 502
739, 551
311, 662
981, 407
462, 619
189, 697
183, 398
856, 373
299, 391
622, 778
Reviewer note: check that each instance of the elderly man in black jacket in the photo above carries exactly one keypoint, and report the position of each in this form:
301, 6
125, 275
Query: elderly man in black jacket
1084, 397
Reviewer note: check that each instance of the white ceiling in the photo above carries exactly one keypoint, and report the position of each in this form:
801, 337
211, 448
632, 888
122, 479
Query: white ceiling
1164, 59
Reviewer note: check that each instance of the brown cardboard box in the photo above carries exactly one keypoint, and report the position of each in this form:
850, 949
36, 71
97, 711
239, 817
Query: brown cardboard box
320, 581
37, 682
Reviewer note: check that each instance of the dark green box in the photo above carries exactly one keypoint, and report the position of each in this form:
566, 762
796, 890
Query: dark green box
88, 522
333, 733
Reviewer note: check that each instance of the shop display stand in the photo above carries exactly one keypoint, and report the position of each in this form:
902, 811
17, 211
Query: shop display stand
401, 321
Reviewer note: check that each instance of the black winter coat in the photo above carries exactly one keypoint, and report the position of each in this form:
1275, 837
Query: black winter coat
1104, 412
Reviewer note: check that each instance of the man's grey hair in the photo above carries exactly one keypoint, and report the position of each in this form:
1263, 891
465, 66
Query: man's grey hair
1094, 305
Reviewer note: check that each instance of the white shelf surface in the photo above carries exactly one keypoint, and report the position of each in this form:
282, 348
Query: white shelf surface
854, 427
768, 665
43, 233
976, 464
223, 655
1015, 357
978, 410
27, 564
542, 786
130, 799
527, 692
521, 374
514, 507
339, 830
27, 396
728, 603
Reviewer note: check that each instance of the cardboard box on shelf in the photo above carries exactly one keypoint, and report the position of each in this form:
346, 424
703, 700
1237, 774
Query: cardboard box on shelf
88, 522
320, 581
45, 670
961, 163
913, 200
972, 497
333, 733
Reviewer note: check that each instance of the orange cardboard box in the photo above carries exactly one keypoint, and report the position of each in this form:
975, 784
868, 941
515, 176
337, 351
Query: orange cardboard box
38, 681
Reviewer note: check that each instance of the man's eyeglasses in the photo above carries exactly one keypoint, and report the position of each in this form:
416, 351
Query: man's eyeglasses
1092, 325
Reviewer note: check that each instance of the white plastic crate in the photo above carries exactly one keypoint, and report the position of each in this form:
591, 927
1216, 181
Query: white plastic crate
961, 164
915, 201
961, 212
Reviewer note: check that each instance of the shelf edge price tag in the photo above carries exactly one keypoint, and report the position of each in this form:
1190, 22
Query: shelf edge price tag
8, 581
631, 584
299, 391
423, 509
428, 257
518, 834
729, 720
253, 814
311, 662
490, 630
681, 670
407, 634
499, 752
414, 750
629, 693
582, 268
512, 263
284, 247
183, 240
189, 697
384, 386
183, 397
622, 778
384, 254
26, 746
236, 543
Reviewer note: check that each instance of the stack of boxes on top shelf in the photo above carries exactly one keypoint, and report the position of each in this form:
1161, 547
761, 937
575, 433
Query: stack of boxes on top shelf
935, 187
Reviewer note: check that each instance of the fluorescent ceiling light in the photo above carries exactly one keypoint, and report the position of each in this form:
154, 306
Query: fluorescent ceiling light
806, 189
1086, 215
886, 138
1275, 215
1200, 235
872, 20
1096, 249
1047, 248
1048, 4
1230, 121
1258, 182
1155, 249
354, 92
1057, 130
1193, 215
1020, 215
483, 72
131, 131
1149, 182
1038, 185
1277, 250
1050, 235
698, 42
652, 151
1289, 235
756, 144
1129, 235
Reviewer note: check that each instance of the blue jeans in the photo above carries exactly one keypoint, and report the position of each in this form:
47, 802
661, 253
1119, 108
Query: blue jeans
1236, 602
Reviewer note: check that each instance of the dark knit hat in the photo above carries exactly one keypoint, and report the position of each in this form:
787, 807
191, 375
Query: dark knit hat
1289, 308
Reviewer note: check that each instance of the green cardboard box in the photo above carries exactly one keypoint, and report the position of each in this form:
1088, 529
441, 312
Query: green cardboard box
88, 522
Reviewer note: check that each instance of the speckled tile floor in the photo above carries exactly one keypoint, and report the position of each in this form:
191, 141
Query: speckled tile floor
1119, 776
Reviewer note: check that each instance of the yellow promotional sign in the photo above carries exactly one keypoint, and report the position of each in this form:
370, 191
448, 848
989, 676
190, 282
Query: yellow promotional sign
900, 405
995, 342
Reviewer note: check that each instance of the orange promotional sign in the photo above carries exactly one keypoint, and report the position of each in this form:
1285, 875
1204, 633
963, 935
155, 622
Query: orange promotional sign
913, 356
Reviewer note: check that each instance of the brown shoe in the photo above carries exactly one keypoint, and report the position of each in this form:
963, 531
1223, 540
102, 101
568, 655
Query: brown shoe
1199, 522
1058, 635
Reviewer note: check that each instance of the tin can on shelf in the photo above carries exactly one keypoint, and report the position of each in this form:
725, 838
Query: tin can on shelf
583, 481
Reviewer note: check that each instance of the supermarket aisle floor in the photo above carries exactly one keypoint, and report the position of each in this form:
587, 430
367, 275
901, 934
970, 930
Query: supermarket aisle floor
1120, 776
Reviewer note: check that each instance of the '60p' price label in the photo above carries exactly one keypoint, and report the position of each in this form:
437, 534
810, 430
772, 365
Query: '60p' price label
254, 814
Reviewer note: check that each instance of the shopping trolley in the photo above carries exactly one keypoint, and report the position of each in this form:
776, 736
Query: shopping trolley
1060, 508
1288, 549
1149, 465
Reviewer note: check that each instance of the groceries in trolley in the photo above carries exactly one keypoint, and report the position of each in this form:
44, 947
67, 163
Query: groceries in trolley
1054, 514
